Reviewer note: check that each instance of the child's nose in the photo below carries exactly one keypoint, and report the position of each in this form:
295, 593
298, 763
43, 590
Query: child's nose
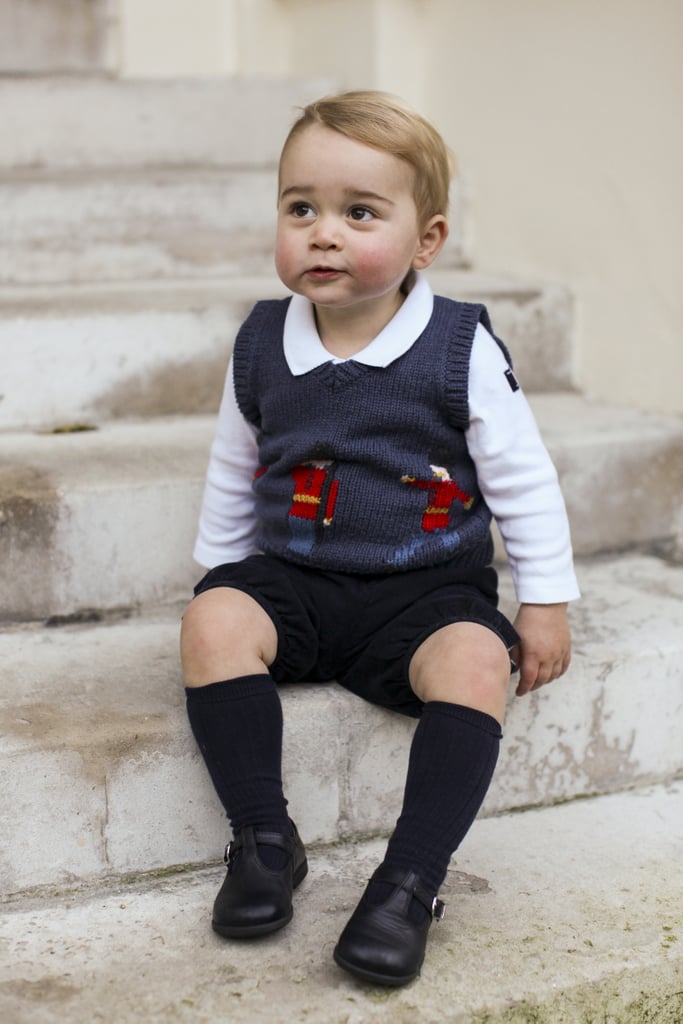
326, 234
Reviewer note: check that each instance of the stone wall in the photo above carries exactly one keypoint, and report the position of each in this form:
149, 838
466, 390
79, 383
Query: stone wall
48, 36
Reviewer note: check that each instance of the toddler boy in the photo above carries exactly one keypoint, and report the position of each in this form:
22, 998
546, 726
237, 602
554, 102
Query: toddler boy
368, 433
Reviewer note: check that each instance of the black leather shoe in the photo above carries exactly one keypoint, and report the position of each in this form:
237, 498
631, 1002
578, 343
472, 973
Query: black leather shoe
381, 943
255, 899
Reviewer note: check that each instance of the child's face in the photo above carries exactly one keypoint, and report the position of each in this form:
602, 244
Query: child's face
348, 230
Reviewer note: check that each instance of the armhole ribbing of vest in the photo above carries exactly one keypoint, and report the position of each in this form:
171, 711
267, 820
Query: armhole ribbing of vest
486, 321
463, 325
264, 318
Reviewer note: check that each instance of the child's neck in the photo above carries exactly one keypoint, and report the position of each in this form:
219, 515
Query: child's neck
346, 332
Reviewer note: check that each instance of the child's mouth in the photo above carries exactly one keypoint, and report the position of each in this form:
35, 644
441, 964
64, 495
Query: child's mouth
322, 273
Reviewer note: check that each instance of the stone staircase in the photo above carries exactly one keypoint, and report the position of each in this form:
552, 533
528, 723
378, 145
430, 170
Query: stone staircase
135, 226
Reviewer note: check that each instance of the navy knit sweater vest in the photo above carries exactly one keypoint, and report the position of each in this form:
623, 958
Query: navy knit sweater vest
365, 469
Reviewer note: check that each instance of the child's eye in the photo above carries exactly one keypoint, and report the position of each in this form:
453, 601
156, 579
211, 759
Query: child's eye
360, 213
301, 210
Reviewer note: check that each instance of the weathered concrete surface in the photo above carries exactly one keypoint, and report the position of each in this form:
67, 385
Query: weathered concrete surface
93, 123
92, 354
70, 542
569, 914
93, 725
611, 465
130, 225
144, 349
122, 502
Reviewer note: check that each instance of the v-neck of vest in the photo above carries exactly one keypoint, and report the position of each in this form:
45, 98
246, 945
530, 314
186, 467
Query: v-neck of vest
336, 375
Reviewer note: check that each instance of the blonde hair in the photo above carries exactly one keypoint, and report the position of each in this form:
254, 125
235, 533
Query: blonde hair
386, 123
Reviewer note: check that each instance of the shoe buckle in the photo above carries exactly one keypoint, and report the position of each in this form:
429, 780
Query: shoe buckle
438, 909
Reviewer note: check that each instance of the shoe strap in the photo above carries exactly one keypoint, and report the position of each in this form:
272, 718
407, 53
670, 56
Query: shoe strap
410, 882
250, 836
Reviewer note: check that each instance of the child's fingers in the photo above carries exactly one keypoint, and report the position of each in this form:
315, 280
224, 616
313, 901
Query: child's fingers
536, 672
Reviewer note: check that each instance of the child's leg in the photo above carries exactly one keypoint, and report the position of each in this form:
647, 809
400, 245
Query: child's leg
461, 673
227, 643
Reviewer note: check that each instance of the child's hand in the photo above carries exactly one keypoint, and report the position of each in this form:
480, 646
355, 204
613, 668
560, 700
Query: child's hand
544, 650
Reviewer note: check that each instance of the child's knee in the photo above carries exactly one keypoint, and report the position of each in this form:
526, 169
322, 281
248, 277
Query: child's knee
463, 663
225, 634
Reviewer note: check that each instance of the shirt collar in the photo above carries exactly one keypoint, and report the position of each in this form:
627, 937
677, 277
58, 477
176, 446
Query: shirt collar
304, 350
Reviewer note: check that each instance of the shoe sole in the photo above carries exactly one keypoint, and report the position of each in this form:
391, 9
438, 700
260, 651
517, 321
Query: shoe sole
253, 931
373, 976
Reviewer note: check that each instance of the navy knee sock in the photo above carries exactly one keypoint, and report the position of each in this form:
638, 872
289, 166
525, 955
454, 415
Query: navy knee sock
452, 759
238, 728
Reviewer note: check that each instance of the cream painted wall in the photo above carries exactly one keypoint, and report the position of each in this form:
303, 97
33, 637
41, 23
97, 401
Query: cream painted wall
162, 38
374, 44
358, 42
203, 38
565, 117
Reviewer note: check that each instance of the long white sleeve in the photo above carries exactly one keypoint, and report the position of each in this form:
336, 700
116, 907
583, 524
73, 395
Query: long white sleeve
518, 480
227, 524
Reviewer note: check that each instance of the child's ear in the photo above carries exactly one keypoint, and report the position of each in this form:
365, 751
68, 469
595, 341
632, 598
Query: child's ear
431, 241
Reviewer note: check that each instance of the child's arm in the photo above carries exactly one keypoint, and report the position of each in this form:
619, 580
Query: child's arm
544, 651
227, 522
520, 486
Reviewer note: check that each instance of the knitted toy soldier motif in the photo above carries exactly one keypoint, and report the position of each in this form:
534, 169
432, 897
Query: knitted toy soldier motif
314, 493
442, 492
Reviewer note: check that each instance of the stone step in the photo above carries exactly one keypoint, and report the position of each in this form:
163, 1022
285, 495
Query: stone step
107, 518
100, 774
567, 914
135, 224
155, 348
66, 123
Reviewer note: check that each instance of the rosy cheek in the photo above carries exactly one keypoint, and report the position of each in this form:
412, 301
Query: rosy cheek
284, 255
372, 263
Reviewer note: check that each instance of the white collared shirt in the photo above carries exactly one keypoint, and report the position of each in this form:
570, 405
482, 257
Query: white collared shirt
515, 473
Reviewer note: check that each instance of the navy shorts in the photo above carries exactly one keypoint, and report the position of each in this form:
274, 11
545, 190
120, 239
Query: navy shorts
361, 630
